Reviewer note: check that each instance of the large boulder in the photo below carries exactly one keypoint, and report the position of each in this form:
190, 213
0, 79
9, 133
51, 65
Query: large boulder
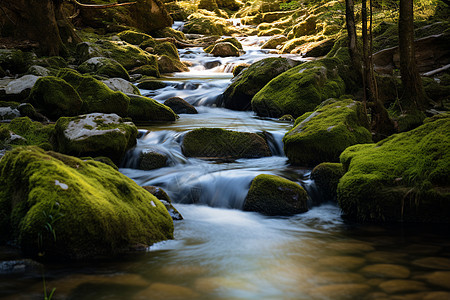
300, 89
144, 109
133, 37
224, 49
54, 97
169, 59
220, 143
275, 196
95, 135
104, 67
23, 131
15, 61
18, 89
239, 94
274, 42
322, 135
61, 207
96, 96
404, 178
121, 85
326, 177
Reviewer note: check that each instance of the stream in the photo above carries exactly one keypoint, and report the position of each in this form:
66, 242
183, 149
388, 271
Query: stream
222, 252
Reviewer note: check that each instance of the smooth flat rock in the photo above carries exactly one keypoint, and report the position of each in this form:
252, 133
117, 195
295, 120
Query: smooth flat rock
440, 263
402, 286
386, 270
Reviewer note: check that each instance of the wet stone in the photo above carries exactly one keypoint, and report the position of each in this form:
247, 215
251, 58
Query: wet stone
386, 271
340, 291
342, 262
338, 277
159, 291
437, 296
422, 249
440, 278
439, 263
386, 257
402, 286
351, 248
412, 296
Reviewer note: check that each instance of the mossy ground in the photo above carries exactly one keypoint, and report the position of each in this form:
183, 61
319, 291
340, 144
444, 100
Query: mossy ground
274, 195
219, 143
34, 133
402, 178
93, 209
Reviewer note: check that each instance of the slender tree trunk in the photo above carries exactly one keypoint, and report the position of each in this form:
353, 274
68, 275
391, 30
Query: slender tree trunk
413, 97
351, 31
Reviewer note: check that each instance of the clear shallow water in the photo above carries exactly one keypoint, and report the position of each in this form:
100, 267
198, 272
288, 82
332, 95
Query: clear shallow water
221, 252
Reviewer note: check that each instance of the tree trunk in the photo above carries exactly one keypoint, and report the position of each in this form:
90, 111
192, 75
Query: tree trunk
42, 21
413, 97
351, 31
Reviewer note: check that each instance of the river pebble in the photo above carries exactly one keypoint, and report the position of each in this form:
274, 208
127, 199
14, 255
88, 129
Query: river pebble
439, 263
439, 278
351, 248
385, 257
163, 291
338, 277
386, 270
342, 262
402, 286
340, 291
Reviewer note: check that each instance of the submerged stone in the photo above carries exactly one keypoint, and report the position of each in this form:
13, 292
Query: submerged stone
386, 271
326, 177
180, 106
93, 210
273, 195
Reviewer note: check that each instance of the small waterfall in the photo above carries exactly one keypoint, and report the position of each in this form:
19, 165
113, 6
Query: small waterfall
314, 196
275, 142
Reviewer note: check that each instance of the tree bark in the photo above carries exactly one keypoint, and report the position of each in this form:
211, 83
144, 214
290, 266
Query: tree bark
413, 97
42, 21
351, 31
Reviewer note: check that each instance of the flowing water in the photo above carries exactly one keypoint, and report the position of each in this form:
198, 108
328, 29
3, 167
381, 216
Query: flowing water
222, 252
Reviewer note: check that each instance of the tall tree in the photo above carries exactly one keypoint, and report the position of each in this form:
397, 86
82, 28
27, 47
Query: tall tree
413, 97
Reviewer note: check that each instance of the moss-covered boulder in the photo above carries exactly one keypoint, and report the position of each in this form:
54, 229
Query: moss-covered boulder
143, 109
133, 37
104, 67
147, 70
275, 196
169, 59
210, 5
23, 131
239, 94
326, 177
322, 135
202, 24
180, 106
150, 160
225, 49
169, 32
54, 97
306, 27
300, 89
129, 56
231, 40
16, 61
96, 96
404, 178
38, 71
151, 85
61, 207
220, 143
121, 85
165, 199
95, 135
18, 89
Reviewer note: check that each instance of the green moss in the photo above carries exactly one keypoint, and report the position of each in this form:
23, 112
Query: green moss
170, 32
402, 178
238, 69
109, 136
218, 143
151, 85
270, 32
273, 195
300, 89
133, 37
143, 109
34, 133
93, 209
239, 94
54, 97
147, 43
231, 40
96, 96
15, 60
326, 177
202, 24
104, 67
325, 133
56, 62
148, 70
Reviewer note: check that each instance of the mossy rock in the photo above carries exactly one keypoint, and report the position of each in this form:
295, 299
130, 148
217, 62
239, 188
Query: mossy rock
169, 32
150, 160
129, 56
275, 196
16, 61
38, 71
306, 27
321, 136
231, 40
165, 199
27, 132
210, 5
121, 85
18, 89
300, 89
169, 59
55, 98
104, 67
8, 113
96, 96
326, 177
201, 24
220, 143
404, 178
225, 49
133, 37
151, 85
53, 62
94, 135
143, 109
147, 70
274, 42
239, 94
180, 106
270, 32
66, 208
